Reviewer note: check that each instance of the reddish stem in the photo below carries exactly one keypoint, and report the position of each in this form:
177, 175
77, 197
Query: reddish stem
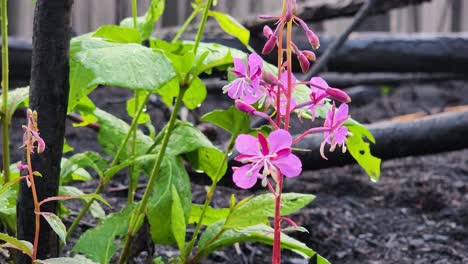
37, 209
276, 258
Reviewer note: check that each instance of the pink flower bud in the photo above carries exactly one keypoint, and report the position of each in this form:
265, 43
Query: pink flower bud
309, 55
289, 14
338, 95
267, 31
269, 45
269, 78
243, 107
21, 166
313, 39
304, 62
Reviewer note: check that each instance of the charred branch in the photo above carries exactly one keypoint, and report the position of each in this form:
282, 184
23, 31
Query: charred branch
49, 97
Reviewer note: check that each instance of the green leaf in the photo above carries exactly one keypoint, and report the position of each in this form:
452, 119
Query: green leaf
112, 132
145, 24
178, 225
171, 173
98, 243
56, 224
74, 167
94, 61
118, 34
231, 120
257, 233
66, 148
25, 246
195, 94
360, 150
258, 209
212, 215
231, 26
209, 160
95, 208
78, 259
169, 92
144, 117
16, 98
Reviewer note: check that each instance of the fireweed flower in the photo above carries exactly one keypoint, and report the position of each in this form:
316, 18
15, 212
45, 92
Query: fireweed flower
246, 86
336, 135
33, 131
273, 154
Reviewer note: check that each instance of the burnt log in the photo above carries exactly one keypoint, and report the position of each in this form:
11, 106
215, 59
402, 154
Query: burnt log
317, 11
402, 137
49, 97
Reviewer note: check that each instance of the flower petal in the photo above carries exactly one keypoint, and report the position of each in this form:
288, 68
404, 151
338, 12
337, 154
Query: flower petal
239, 66
340, 135
319, 83
247, 144
278, 140
290, 166
244, 181
255, 65
342, 113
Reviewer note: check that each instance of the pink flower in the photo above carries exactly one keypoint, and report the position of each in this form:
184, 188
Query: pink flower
34, 133
247, 85
334, 93
337, 133
273, 154
317, 97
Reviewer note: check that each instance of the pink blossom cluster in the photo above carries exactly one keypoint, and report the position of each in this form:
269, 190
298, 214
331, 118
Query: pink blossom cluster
255, 90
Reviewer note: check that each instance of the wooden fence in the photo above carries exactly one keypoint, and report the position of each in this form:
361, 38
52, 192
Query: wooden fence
435, 16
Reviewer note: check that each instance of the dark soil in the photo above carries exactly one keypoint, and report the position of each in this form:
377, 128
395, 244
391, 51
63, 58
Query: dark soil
417, 213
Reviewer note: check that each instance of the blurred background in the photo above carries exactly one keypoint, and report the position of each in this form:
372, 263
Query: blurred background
433, 16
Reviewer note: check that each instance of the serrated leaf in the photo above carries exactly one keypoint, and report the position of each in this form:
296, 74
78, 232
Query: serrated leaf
56, 224
232, 27
25, 246
171, 173
211, 216
231, 120
16, 98
94, 61
360, 150
178, 224
98, 243
257, 233
258, 209
118, 34
145, 24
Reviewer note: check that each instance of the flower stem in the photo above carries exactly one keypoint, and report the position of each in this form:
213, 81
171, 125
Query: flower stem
276, 258
209, 196
5, 86
37, 209
201, 28
104, 181
140, 211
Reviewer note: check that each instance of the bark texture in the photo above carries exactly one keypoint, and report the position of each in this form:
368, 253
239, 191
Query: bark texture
49, 97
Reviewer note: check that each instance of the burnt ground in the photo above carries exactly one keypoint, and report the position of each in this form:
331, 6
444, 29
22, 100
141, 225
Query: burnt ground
417, 213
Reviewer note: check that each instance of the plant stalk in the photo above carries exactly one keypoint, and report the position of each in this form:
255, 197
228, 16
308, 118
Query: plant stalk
5, 87
186, 24
103, 183
209, 197
202, 25
140, 212
37, 208
131, 182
